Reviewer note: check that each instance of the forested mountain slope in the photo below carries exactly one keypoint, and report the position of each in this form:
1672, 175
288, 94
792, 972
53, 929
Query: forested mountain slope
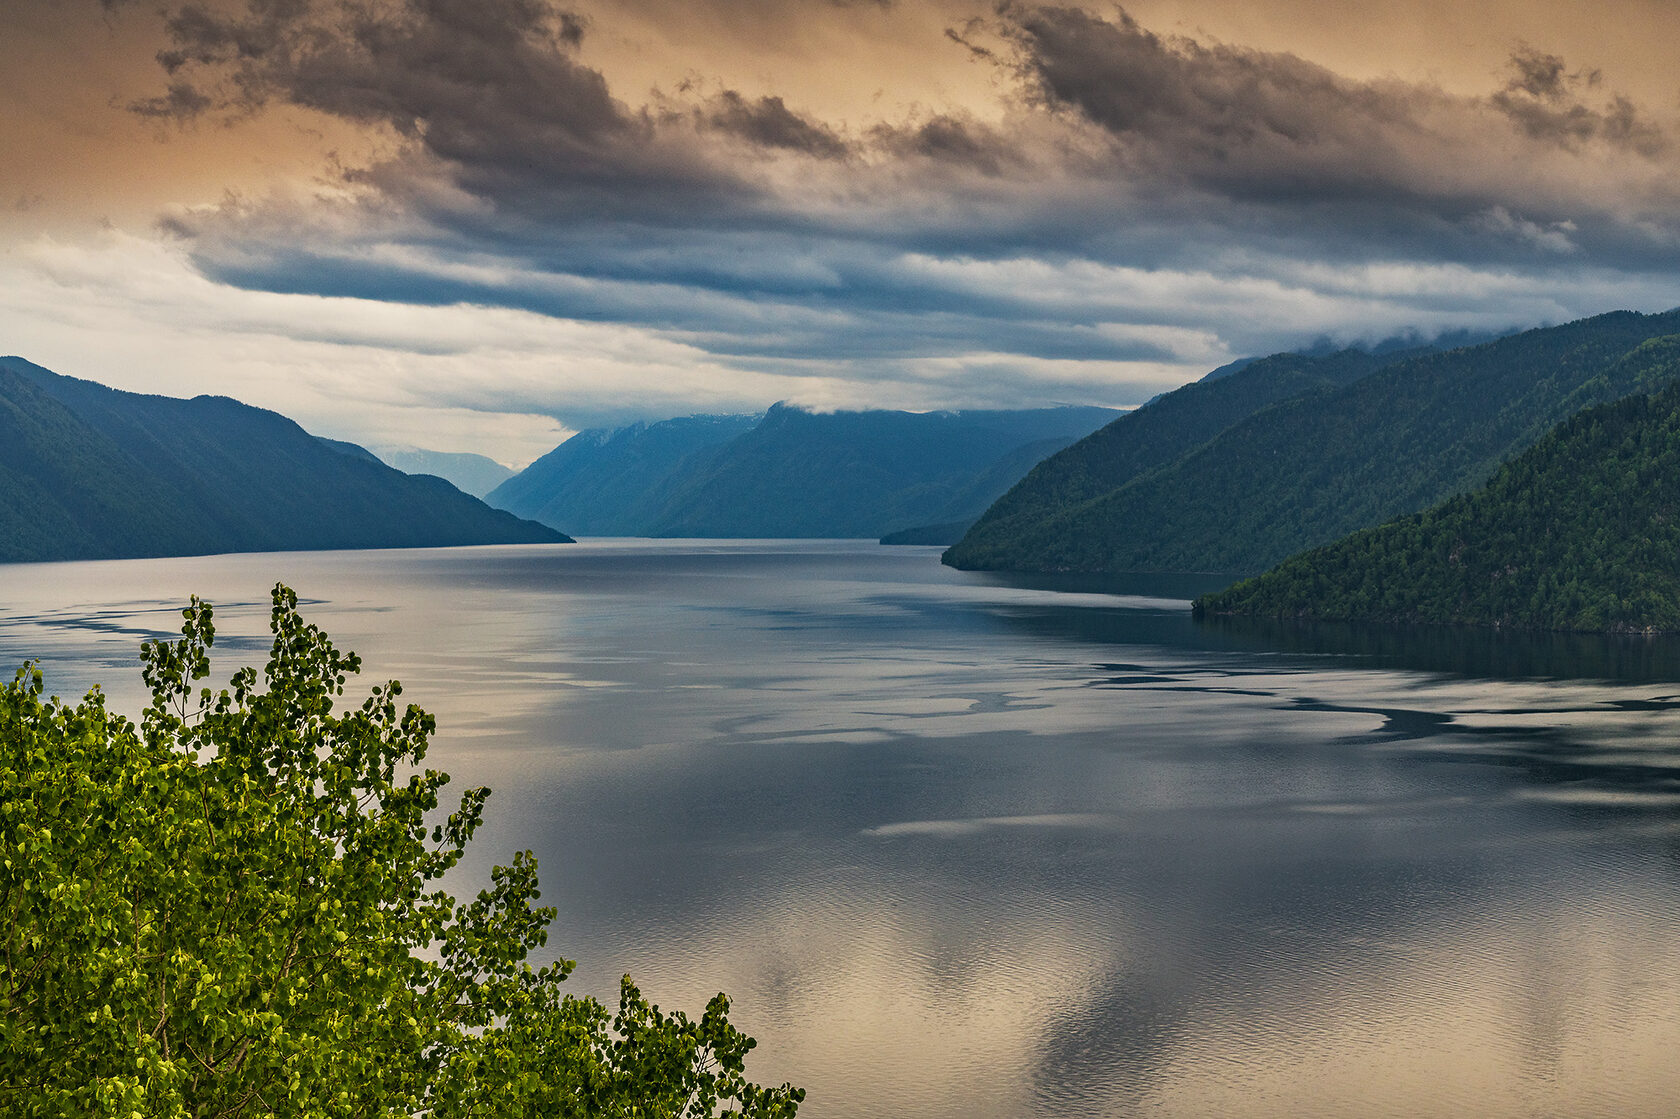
1139, 441
1582, 532
1316, 466
89, 472
67, 490
791, 472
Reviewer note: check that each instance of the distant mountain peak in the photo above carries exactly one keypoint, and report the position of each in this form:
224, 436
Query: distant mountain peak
469, 473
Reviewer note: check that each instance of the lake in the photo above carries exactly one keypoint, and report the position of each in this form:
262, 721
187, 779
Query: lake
958, 847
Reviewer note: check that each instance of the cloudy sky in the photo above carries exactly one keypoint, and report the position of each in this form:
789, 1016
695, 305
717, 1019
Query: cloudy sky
480, 225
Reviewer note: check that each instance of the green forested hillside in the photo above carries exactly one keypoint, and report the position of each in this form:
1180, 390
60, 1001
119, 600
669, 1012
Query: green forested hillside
1314, 467
1582, 532
791, 472
1139, 441
88, 472
68, 490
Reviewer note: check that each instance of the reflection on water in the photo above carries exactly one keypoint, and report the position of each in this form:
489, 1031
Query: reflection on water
1469, 652
963, 848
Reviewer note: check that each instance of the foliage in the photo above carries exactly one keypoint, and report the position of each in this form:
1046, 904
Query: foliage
1312, 468
1582, 532
234, 909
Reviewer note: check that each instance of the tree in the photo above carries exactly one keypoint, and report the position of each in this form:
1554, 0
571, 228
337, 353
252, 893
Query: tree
233, 909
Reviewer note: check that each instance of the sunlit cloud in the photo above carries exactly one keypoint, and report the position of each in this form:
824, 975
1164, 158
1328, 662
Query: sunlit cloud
527, 218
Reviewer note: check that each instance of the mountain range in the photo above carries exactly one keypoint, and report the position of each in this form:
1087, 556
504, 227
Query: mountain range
1240, 472
789, 472
90, 472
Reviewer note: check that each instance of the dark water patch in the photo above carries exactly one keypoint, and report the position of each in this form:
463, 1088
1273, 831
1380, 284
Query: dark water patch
1654, 704
1464, 651
1148, 584
1127, 681
1399, 724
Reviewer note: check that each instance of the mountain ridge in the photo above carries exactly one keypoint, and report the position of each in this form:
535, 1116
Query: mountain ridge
125, 475
1307, 469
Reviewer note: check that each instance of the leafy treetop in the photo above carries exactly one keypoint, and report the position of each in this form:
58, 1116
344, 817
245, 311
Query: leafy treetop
234, 909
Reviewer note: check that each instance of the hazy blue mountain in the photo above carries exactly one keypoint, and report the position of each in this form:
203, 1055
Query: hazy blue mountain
1316, 465
613, 482
1581, 532
474, 474
90, 472
867, 474
790, 472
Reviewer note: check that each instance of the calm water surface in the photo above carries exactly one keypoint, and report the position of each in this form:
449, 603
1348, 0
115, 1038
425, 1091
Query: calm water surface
958, 848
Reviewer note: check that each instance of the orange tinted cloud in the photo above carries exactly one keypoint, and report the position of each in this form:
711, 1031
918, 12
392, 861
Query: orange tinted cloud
936, 204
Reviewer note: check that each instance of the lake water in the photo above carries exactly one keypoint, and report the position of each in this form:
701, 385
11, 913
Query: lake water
958, 848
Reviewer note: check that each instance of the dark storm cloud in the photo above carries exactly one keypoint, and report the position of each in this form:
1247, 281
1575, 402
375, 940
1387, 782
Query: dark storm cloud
838, 299
769, 123
1254, 124
1543, 75
182, 102
1545, 101
951, 140
758, 230
491, 96
489, 91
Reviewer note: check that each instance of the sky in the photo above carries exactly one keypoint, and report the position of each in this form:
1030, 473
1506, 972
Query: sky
483, 225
